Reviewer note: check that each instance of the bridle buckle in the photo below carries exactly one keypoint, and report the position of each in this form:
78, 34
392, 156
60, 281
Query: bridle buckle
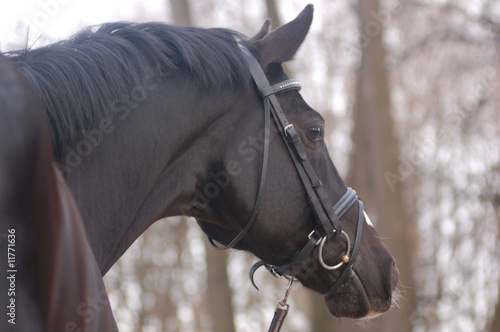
318, 238
289, 126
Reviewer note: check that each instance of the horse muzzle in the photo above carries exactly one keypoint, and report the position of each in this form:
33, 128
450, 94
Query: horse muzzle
363, 296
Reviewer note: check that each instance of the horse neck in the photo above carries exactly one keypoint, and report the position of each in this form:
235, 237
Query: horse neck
146, 165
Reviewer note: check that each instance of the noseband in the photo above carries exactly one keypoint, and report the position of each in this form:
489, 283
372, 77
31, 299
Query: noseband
327, 217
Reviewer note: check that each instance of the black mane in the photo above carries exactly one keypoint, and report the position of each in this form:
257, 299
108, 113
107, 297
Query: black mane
80, 78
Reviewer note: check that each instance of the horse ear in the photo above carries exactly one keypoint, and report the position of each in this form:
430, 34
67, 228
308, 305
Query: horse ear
281, 44
266, 27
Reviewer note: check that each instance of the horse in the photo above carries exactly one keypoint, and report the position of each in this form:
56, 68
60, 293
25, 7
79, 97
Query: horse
49, 279
152, 120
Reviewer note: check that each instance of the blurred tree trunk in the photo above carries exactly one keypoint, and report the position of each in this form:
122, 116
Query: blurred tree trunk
272, 13
375, 155
321, 319
495, 325
181, 13
219, 292
219, 295
165, 309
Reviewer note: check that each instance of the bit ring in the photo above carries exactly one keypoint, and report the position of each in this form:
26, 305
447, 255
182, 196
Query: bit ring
345, 258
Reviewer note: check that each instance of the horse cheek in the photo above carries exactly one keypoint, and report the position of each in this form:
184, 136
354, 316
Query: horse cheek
245, 149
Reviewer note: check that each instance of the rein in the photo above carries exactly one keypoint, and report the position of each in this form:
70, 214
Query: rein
326, 216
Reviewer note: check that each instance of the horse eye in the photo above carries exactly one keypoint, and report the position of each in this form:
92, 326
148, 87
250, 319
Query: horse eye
315, 133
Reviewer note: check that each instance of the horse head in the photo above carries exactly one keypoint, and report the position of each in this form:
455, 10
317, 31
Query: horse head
286, 218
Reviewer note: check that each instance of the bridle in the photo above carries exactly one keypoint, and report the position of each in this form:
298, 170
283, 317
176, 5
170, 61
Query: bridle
327, 217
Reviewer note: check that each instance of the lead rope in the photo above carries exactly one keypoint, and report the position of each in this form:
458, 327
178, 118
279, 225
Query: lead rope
281, 310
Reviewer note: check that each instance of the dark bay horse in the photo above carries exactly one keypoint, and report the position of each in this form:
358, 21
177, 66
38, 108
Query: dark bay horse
151, 120
49, 278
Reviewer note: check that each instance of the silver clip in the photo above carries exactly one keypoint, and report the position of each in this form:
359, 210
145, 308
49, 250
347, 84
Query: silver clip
288, 289
311, 235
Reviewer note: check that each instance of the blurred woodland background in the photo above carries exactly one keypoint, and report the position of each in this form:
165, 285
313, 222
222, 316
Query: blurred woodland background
410, 92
